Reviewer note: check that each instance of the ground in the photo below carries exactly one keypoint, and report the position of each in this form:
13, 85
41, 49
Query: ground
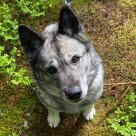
111, 27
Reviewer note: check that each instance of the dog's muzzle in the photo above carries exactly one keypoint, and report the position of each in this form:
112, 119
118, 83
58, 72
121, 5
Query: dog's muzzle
74, 93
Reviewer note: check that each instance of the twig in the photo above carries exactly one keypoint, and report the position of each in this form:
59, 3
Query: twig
125, 92
125, 83
118, 102
108, 89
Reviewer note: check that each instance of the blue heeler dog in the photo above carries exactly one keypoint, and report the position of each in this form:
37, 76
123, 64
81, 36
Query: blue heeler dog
68, 73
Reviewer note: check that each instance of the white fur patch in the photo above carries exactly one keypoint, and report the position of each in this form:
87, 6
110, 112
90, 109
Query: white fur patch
53, 119
51, 28
99, 78
97, 84
89, 113
84, 87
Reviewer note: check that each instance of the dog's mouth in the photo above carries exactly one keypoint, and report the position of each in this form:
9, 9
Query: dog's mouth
76, 101
73, 101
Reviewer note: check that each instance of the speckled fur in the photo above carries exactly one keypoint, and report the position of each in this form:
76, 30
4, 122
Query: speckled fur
57, 49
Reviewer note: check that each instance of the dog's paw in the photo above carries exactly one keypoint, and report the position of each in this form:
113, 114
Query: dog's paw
89, 114
53, 121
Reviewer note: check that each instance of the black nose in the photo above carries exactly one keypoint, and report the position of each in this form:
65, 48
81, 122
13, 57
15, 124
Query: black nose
74, 93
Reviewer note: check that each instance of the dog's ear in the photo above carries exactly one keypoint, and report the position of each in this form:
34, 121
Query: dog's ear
31, 41
68, 22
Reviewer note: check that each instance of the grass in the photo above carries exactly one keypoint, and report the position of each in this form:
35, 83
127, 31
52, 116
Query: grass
111, 27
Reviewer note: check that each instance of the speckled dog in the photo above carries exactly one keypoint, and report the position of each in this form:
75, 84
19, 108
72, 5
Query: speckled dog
68, 73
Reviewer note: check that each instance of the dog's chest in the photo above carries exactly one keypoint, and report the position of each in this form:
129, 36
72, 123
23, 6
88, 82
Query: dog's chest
71, 108
59, 104
74, 108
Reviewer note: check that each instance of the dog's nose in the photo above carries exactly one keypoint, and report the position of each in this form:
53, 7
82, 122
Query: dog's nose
74, 93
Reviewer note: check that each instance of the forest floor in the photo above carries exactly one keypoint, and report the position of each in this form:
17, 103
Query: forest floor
111, 27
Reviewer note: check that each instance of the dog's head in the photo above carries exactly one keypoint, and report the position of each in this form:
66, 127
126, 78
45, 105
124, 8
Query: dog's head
59, 58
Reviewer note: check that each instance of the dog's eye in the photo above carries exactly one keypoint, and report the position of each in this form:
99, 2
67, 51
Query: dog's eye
52, 70
75, 59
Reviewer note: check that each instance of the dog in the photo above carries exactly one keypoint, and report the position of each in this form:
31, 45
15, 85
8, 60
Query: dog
68, 72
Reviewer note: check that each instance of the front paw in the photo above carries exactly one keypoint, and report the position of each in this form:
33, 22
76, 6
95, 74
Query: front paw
53, 120
89, 113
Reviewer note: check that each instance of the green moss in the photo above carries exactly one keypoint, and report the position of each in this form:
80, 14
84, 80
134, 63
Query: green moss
13, 109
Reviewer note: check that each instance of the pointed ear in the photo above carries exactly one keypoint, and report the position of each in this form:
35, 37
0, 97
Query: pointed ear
68, 22
30, 40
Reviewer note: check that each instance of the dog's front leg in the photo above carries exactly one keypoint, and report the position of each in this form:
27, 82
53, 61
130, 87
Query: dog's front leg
89, 112
53, 118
